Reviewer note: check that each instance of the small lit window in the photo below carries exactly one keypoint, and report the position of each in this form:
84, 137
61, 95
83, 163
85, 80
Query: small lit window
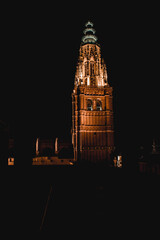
88, 81
89, 105
99, 105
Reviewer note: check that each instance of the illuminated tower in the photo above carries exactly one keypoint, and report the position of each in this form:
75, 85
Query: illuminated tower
92, 110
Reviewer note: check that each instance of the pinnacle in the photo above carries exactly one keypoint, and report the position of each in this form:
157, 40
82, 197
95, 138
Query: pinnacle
89, 34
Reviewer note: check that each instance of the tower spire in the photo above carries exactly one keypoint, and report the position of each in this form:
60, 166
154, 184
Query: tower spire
92, 108
89, 34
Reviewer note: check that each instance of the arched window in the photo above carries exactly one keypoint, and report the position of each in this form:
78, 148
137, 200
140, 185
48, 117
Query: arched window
85, 67
91, 68
99, 105
89, 105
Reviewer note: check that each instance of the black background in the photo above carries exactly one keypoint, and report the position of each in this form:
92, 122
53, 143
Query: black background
39, 51
39, 55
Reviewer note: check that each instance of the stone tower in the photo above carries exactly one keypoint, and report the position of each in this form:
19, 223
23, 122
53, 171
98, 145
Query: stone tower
92, 110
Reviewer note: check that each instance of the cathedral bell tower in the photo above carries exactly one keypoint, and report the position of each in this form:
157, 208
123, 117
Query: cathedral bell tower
92, 110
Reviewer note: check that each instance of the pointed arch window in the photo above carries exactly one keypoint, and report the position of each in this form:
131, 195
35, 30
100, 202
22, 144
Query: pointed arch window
85, 68
89, 105
98, 105
92, 68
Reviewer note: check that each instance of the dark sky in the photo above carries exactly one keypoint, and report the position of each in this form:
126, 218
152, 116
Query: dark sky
40, 51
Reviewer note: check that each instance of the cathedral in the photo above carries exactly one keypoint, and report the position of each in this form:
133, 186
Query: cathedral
92, 104
92, 137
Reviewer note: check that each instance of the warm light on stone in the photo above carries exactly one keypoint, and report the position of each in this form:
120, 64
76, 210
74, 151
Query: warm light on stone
92, 110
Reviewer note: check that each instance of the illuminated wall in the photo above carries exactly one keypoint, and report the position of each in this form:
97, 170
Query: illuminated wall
92, 110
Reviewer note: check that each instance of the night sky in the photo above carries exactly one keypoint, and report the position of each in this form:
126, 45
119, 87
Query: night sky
40, 52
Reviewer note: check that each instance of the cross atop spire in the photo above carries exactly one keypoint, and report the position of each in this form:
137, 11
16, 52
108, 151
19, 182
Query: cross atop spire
89, 32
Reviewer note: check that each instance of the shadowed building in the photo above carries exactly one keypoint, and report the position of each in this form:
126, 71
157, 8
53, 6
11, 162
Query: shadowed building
149, 162
92, 110
45, 152
4, 138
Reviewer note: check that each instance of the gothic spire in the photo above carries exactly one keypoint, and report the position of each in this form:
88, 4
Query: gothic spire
89, 34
